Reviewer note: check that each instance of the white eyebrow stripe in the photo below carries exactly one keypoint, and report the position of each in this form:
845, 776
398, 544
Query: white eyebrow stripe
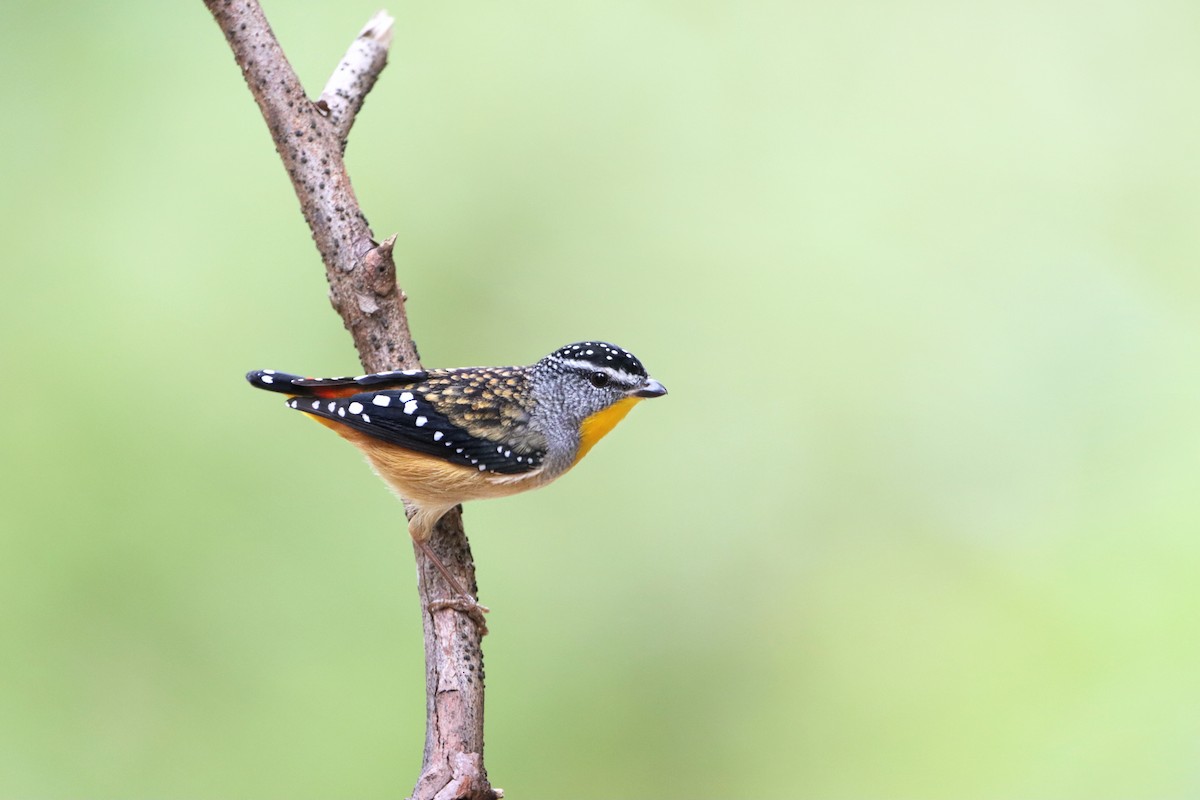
619, 375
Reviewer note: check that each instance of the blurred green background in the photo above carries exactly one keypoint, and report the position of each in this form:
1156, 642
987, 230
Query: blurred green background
918, 520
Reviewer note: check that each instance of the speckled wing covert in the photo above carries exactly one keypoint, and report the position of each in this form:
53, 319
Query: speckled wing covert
476, 417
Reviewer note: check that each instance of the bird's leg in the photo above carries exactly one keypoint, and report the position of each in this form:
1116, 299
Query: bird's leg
464, 595
463, 601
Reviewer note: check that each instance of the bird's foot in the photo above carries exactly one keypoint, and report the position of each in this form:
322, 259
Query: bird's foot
464, 604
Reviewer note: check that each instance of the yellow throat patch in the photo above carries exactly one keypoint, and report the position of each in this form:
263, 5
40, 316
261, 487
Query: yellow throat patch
597, 425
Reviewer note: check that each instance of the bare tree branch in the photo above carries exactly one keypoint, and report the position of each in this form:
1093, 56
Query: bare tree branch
309, 138
356, 74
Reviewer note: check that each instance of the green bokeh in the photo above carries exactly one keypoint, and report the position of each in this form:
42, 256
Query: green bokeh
919, 518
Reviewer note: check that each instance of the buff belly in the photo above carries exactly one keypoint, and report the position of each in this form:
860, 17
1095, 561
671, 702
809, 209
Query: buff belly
429, 481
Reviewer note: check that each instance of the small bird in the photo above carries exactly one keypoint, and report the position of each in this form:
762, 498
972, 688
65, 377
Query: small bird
440, 437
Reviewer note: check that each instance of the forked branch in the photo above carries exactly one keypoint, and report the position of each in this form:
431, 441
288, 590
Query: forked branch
310, 138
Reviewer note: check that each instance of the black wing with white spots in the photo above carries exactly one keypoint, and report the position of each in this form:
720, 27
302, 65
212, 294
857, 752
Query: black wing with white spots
430, 418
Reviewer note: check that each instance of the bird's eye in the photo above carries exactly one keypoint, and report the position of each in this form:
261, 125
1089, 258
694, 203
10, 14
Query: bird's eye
599, 379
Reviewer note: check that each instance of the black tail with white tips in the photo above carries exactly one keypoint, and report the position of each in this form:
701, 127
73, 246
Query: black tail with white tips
274, 381
300, 386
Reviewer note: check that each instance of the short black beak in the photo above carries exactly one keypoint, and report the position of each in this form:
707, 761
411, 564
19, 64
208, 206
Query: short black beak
652, 389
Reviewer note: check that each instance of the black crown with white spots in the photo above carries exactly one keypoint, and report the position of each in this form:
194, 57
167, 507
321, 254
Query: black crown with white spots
602, 354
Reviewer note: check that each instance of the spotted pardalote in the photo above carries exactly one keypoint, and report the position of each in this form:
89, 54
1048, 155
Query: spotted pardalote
440, 437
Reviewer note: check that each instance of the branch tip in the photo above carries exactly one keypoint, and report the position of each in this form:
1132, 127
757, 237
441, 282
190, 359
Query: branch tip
380, 27
356, 73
